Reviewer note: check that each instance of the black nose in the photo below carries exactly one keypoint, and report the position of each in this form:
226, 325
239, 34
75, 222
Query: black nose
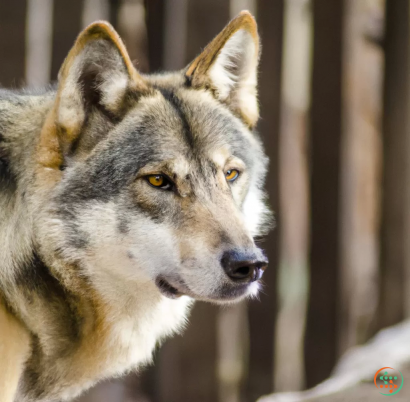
242, 267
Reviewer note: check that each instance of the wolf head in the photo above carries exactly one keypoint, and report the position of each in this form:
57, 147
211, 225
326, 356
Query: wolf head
157, 179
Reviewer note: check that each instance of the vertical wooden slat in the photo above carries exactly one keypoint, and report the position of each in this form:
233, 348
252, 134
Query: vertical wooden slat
187, 369
233, 344
155, 30
294, 178
396, 179
262, 314
12, 42
361, 170
205, 19
236, 6
67, 24
175, 34
321, 329
39, 23
133, 31
113, 12
94, 10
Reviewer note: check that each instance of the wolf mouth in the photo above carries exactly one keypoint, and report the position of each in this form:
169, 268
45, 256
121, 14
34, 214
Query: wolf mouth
173, 291
167, 289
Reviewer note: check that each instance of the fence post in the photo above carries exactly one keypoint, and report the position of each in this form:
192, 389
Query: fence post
395, 233
321, 328
262, 314
12, 42
67, 24
361, 171
292, 283
155, 30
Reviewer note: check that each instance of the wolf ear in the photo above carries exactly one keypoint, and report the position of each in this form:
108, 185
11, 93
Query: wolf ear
228, 65
96, 73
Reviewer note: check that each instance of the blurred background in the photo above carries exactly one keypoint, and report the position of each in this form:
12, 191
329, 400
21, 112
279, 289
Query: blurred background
334, 94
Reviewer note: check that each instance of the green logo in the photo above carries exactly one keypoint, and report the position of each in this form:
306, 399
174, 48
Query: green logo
389, 380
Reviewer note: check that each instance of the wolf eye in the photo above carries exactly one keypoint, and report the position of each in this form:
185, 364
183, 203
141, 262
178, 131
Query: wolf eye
231, 175
159, 181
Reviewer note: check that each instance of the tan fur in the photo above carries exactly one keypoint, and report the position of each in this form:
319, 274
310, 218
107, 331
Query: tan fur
14, 350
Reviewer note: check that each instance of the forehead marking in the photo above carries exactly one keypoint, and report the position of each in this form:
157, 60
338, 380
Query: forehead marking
177, 106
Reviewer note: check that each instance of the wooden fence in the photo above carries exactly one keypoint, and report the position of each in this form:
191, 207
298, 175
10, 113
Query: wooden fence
334, 95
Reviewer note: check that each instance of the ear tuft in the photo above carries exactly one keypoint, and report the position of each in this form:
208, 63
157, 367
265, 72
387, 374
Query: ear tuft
229, 66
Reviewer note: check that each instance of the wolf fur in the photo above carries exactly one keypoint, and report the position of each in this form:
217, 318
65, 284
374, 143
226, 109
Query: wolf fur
97, 265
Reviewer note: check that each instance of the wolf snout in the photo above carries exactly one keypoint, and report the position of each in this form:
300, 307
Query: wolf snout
243, 267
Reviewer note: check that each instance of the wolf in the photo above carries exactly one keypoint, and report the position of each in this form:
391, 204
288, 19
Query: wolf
123, 198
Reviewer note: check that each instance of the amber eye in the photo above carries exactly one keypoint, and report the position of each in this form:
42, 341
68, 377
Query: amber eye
231, 175
159, 181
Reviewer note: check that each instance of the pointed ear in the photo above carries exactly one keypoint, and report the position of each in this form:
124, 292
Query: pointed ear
97, 73
228, 65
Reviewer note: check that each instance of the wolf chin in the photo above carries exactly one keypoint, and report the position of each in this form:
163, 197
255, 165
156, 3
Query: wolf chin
123, 198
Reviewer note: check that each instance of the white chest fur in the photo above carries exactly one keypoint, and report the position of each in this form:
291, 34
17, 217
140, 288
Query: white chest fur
134, 337
130, 341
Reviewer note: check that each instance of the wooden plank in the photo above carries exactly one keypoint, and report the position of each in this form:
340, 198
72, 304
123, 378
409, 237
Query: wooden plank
67, 24
186, 365
205, 19
321, 330
39, 25
233, 344
155, 30
294, 208
175, 34
133, 31
236, 6
395, 204
12, 42
262, 314
95, 10
114, 6
361, 170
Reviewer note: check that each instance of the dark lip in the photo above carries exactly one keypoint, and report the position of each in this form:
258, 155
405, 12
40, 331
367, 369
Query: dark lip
168, 290
174, 291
